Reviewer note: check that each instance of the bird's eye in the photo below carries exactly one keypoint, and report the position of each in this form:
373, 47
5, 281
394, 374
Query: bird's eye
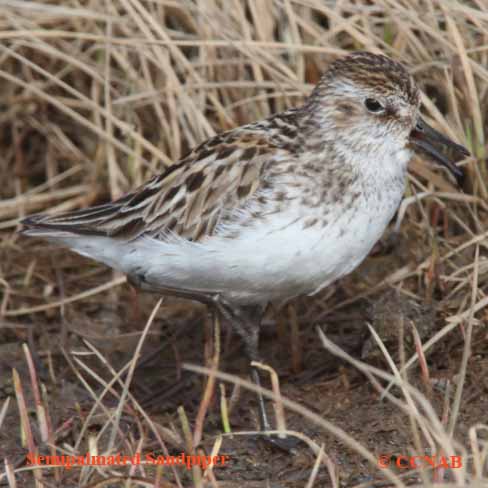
373, 105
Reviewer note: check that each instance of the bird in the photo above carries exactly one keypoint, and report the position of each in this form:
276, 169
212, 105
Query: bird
271, 210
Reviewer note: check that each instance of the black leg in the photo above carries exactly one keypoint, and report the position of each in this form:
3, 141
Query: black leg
245, 321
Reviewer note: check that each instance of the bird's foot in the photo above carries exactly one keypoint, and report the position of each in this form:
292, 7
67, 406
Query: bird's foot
287, 443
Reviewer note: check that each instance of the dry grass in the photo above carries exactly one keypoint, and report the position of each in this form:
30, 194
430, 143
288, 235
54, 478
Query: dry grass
97, 96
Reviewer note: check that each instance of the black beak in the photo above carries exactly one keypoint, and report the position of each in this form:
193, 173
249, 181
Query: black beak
429, 140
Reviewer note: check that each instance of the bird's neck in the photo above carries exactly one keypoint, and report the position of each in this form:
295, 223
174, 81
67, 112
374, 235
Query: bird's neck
367, 154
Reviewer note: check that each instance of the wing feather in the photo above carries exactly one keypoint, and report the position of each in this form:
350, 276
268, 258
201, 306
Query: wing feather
189, 199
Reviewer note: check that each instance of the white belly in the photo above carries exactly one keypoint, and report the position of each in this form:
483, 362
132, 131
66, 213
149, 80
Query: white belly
275, 260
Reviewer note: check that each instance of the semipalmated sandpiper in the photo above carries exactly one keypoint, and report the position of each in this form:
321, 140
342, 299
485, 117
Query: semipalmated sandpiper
270, 210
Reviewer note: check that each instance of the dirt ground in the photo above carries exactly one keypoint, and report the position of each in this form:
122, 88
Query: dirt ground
309, 374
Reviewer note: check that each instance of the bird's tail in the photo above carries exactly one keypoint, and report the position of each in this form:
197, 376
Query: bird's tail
85, 222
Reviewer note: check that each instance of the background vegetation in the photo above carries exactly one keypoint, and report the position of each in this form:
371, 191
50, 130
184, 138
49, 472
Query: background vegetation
96, 96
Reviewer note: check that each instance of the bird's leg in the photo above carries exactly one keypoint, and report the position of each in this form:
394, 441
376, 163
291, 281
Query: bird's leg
202, 297
246, 322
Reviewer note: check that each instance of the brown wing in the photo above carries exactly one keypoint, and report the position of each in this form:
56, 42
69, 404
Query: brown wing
189, 198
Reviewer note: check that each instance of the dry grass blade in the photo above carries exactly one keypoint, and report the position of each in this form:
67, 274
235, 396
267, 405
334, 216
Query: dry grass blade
24, 416
278, 403
72, 299
190, 447
209, 387
3, 411
130, 374
10, 474
467, 349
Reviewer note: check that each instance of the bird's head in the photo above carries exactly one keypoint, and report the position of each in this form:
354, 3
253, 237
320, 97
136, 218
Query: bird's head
373, 102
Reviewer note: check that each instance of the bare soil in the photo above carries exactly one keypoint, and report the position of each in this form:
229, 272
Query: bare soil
182, 332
